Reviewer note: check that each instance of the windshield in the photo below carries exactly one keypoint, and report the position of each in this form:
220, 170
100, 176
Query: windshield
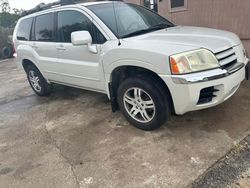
131, 19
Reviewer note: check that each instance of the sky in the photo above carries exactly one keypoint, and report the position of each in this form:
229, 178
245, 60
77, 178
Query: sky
27, 4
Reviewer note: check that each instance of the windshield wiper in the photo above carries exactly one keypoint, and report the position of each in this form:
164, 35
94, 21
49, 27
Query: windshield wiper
150, 29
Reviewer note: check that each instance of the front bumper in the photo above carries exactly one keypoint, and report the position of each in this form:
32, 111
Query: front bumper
186, 89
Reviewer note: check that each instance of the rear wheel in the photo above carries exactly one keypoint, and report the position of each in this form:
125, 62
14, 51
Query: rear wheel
143, 104
37, 82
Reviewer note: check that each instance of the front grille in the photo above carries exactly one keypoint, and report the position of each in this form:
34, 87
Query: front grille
226, 58
207, 95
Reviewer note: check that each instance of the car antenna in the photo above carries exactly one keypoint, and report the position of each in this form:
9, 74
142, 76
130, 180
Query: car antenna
117, 29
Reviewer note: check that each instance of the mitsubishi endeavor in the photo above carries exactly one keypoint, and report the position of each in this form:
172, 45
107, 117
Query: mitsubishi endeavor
147, 66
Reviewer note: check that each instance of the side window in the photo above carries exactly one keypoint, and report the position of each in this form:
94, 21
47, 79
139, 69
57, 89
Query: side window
23, 31
178, 5
44, 28
70, 21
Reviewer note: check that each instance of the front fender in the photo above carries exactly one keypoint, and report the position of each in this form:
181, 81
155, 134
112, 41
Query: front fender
131, 62
121, 63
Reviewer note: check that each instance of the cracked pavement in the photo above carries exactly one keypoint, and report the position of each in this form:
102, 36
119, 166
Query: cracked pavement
72, 139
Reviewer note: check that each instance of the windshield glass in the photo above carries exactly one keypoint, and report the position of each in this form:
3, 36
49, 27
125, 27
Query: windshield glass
131, 19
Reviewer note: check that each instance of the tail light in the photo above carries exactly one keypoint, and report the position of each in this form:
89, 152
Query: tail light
14, 51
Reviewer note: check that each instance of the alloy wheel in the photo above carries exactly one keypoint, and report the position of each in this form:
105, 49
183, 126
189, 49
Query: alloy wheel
139, 105
35, 81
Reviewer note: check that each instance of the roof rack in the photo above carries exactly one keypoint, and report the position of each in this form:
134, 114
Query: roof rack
43, 6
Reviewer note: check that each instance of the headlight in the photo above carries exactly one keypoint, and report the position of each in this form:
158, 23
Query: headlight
193, 61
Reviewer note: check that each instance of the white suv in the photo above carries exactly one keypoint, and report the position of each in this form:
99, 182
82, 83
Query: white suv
148, 67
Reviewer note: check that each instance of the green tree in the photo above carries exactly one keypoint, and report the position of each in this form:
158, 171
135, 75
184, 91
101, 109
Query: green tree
17, 11
8, 19
5, 6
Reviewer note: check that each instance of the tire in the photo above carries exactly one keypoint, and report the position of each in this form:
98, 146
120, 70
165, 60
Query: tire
7, 52
37, 82
143, 97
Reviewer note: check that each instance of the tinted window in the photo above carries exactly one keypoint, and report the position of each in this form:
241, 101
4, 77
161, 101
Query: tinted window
23, 32
70, 21
177, 3
44, 27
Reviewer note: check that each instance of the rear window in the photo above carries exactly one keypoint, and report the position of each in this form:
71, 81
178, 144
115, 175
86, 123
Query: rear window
23, 32
44, 28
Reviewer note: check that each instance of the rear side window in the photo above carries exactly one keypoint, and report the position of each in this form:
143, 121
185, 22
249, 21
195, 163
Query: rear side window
44, 28
23, 31
70, 21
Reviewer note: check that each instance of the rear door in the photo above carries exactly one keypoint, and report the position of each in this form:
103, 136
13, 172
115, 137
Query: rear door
43, 41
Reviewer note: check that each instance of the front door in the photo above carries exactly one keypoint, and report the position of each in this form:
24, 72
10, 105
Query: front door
76, 65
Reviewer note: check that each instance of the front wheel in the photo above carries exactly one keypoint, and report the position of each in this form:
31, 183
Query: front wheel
143, 104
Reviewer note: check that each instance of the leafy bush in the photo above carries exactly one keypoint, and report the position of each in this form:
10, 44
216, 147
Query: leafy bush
8, 20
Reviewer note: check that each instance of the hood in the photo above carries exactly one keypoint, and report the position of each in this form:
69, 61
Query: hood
195, 37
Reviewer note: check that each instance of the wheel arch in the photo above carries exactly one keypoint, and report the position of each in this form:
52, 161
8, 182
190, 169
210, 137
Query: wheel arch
26, 63
122, 72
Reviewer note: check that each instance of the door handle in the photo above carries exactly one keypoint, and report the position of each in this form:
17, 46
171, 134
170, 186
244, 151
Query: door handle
60, 48
34, 46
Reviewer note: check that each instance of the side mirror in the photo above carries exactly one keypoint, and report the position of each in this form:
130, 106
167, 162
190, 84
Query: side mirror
83, 38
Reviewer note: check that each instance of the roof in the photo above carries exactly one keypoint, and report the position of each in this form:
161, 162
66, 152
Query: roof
42, 7
95, 3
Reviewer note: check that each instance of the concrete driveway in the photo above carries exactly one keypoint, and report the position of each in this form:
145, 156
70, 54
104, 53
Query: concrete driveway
72, 139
